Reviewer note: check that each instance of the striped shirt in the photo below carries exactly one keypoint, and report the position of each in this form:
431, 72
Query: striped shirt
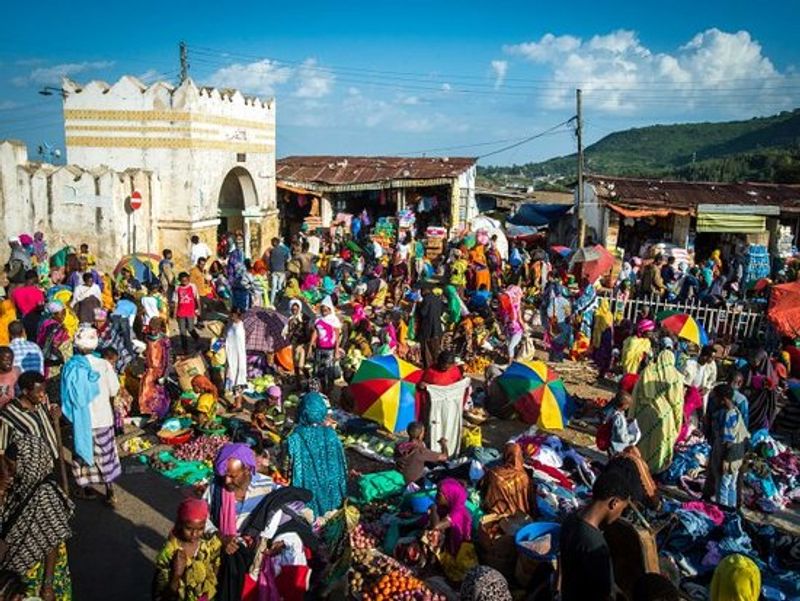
36, 422
27, 355
260, 487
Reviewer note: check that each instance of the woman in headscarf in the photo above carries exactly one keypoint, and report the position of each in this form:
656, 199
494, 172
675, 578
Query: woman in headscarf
325, 342
292, 289
260, 292
603, 337
88, 383
762, 377
485, 584
34, 519
242, 286
716, 262
511, 317
558, 330
658, 407
186, 567
8, 313
637, 347
297, 333
153, 398
54, 339
507, 488
455, 306
736, 578
449, 516
315, 456
205, 406
583, 309
458, 270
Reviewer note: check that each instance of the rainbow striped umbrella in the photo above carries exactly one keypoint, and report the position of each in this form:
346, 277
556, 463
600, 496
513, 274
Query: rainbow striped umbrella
384, 390
686, 327
538, 394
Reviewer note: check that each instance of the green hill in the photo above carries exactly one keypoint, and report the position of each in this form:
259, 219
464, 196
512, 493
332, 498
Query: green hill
759, 149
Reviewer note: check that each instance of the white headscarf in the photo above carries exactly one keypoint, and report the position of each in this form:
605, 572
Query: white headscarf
331, 319
86, 339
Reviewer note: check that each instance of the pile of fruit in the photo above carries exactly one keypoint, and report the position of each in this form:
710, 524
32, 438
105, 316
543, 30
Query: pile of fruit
135, 445
477, 365
367, 535
202, 448
377, 445
261, 383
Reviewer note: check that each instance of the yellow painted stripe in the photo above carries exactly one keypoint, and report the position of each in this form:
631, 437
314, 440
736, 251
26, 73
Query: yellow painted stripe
143, 128
103, 115
191, 143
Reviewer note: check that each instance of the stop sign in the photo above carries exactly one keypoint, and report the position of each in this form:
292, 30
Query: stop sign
135, 200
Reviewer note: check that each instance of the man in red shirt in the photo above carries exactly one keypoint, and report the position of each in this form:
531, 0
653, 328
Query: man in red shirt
187, 309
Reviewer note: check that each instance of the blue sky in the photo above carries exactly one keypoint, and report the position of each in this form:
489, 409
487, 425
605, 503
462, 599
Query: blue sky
409, 77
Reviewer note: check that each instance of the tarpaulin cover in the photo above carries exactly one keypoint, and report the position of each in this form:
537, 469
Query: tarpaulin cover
521, 231
784, 309
731, 223
536, 214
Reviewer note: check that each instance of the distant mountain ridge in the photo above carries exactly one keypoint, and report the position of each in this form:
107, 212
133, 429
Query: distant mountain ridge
759, 149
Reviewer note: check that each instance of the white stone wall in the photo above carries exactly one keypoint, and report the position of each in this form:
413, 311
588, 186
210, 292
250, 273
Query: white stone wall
190, 136
466, 184
72, 205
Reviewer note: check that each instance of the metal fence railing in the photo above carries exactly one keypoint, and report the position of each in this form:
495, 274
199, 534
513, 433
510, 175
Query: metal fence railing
733, 324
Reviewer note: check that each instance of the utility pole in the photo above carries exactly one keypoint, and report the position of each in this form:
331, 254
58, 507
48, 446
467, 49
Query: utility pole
184, 56
579, 135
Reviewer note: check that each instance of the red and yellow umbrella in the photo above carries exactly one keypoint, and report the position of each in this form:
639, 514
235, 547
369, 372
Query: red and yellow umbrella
685, 326
538, 394
384, 390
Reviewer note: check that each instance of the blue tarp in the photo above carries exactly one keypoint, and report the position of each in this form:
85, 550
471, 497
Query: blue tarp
538, 215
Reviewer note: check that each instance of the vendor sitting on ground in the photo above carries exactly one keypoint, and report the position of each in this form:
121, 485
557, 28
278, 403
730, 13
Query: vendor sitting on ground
450, 516
507, 488
410, 457
186, 567
586, 568
205, 408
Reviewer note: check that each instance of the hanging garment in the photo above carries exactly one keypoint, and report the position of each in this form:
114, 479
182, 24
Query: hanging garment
445, 416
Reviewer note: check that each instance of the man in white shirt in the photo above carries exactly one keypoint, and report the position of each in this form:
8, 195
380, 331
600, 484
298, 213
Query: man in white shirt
199, 250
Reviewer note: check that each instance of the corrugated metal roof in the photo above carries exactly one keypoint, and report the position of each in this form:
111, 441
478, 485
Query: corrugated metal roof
655, 193
330, 171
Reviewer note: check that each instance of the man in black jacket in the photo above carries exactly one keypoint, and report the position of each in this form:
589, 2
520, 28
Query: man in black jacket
429, 326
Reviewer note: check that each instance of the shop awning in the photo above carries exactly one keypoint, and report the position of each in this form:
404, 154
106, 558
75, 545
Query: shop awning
643, 213
295, 189
731, 223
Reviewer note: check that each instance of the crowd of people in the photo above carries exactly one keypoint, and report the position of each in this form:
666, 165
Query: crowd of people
82, 351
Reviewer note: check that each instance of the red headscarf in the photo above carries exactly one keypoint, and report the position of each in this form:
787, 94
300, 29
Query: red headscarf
192, 510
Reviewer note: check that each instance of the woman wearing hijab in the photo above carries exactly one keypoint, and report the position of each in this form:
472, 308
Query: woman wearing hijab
297, 333
485, 584
507, 488
583, 309
153, 398
53, 338
637, 347
325, 341
88, 383
511, 315
260, 293
658, 407
315, 456
34, 519
603, 337
449, 516
736, 578
762, 377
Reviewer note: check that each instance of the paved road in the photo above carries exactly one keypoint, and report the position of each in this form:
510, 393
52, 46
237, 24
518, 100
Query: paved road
112, 552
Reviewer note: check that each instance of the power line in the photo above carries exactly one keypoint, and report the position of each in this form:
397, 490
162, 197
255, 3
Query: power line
526, 140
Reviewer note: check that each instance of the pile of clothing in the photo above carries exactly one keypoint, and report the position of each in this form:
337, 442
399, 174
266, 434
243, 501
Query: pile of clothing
771, 475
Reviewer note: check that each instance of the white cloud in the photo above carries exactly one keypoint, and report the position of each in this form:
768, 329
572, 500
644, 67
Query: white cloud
499, 70
8, 104
52, 75
446, 87
313, 81
618, 73
260, 77
150, 76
